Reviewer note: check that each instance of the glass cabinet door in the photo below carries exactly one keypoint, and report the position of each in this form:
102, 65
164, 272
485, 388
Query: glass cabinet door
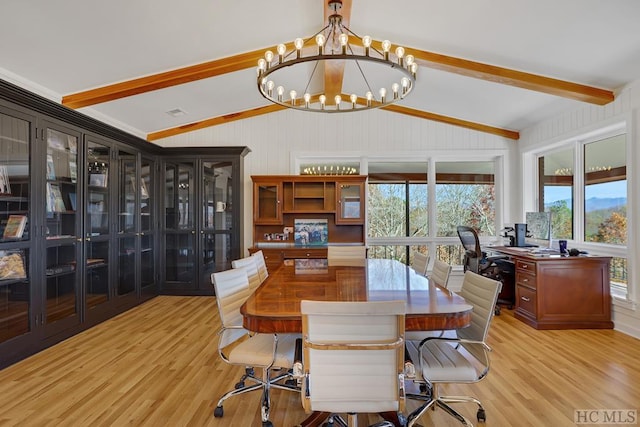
15, 193
180, 267
127, 222
97, 225
62, 229
266, 199
350, 203
147, 219
217, 221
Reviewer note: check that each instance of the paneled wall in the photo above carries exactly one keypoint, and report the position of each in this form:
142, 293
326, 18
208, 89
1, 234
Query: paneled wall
276, 137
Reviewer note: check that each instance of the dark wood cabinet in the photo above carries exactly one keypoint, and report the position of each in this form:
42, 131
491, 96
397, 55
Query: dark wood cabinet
202, 213
87, 228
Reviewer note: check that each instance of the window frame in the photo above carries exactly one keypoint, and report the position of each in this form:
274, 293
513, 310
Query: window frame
577, 142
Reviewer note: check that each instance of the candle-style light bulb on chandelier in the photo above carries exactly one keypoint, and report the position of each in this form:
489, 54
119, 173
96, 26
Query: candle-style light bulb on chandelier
368, 78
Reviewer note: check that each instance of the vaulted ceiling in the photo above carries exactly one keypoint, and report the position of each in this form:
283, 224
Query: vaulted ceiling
496, 66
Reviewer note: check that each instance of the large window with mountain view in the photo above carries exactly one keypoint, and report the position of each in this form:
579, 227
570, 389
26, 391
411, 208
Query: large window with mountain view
398, 211
595, 173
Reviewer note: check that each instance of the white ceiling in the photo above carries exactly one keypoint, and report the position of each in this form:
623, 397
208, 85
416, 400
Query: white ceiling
62, 47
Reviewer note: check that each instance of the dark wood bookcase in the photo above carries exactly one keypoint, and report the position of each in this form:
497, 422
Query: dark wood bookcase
100, 208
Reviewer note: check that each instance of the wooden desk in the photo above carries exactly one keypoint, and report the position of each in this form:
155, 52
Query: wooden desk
275, 305
560, 292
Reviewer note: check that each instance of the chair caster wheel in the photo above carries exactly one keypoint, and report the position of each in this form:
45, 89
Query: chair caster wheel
423, 388
481, 415
291, 382
218, 412
267, 424
239, 385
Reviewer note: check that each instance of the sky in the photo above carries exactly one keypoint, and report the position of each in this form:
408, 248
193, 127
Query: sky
604, 190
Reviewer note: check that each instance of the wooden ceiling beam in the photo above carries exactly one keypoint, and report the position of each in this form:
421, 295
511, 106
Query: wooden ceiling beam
165, 79
242, 61
452, 121
334, 70
506, 76
214, 121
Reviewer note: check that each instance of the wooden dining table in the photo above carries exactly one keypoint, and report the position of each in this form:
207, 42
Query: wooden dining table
275, 306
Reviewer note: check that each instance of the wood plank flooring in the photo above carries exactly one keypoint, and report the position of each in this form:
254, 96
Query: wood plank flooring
157, 365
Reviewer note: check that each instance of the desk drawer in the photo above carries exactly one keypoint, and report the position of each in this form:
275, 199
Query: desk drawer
526, 300
526, 278
526, 266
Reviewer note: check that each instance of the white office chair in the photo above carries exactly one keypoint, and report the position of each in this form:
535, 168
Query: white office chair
440, 273
266, 351
461, 359
251, 267
420, 263
346, 252
262, 265
353, 357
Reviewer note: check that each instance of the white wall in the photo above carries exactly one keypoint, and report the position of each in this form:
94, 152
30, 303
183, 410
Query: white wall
586, 119
275, 138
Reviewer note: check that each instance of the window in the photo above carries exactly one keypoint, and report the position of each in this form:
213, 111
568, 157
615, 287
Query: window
591, 173
605, 191
398, 210
557, 191
465, 194
397, 207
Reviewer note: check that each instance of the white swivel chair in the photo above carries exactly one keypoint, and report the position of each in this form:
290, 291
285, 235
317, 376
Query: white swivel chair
251, 267
262, 265
440, 276
346, 252
353, 357
461, 359
440, 273
236, 347
420, 263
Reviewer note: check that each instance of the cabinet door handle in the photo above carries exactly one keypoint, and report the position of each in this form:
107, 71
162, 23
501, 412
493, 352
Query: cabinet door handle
308, 255
524, 266
525, 299
525, 280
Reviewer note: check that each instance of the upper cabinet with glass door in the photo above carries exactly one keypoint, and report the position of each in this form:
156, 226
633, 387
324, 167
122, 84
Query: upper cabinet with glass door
267, 202
350, 202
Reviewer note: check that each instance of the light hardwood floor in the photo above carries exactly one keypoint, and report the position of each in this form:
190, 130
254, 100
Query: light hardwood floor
157, 365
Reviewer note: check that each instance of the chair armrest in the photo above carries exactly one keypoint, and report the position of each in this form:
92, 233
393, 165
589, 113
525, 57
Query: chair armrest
458, 340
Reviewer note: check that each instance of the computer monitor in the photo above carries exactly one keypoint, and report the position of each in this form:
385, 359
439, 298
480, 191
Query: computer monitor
539, 228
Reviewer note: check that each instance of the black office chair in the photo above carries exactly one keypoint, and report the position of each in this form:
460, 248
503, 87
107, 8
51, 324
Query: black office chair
494, 267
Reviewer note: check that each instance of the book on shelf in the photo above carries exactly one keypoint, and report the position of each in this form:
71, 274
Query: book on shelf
5, 188
72, 201
55, 203
73, 170
144, 193
51, 170
14, 229
12, 265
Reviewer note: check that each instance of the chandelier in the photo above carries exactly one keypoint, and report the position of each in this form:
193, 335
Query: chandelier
368, 78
